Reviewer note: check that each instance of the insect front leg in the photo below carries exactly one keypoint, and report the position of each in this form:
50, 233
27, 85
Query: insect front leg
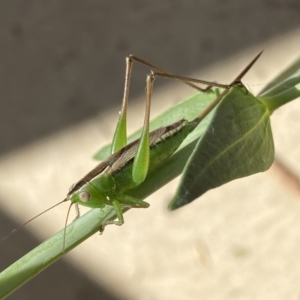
125, 201
119, 213
77, 210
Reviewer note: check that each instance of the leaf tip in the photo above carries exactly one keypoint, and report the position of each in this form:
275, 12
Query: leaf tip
177, 202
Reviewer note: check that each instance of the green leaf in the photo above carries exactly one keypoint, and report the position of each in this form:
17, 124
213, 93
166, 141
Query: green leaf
281, 77
237, 143
283, 88
282, 93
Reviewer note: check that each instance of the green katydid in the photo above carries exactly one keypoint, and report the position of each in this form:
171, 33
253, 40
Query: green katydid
128, 165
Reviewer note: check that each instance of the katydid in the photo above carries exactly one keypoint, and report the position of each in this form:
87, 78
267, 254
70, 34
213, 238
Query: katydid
128, 165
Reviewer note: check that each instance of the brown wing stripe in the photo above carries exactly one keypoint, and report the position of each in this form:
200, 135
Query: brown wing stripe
119, 159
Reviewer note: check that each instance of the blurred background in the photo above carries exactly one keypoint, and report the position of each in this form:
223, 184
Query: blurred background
62, 66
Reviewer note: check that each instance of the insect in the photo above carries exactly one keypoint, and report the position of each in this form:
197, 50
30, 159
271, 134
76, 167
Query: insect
129, 164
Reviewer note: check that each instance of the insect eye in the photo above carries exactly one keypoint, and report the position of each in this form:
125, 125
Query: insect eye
84, 196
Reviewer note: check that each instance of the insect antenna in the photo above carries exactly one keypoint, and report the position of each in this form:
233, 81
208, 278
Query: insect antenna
21, 226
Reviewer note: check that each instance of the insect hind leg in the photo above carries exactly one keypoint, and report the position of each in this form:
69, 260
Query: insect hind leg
166, 73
